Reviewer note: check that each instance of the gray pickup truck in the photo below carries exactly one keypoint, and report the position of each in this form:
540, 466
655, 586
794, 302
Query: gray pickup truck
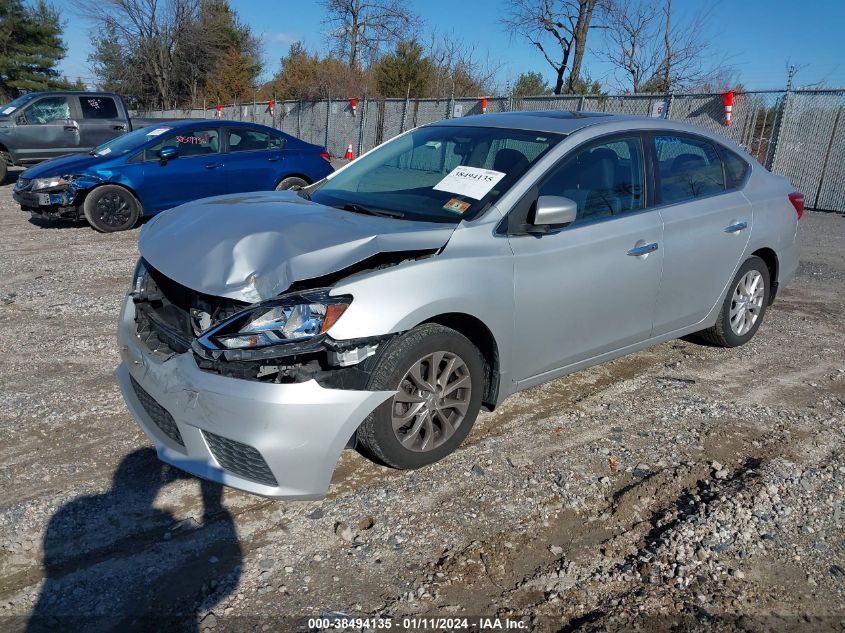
41, 125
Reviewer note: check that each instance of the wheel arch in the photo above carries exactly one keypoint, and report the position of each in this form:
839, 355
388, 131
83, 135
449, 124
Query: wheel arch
479, 335
122, 185
771, 260
308, 180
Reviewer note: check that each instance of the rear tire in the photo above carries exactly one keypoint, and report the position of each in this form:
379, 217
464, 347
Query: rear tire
111, 208
744, 306
291, 182
438, 376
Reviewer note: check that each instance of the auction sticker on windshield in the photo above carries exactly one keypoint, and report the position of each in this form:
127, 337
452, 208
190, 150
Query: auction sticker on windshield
473, 182
157, 131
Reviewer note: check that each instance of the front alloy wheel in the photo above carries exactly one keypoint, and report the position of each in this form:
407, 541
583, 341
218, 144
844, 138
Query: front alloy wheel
437, 375
432, 401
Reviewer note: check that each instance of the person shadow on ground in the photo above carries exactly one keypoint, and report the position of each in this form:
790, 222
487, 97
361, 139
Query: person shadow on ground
113, 562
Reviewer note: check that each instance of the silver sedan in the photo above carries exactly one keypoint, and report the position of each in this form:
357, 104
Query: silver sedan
443, 271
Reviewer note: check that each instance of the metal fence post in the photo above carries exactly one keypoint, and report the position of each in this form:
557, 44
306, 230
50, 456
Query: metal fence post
669, 102
581, 103
299, 118
361, 125
328, 119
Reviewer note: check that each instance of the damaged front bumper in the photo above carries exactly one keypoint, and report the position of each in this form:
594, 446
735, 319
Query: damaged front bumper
277, 440
53, 204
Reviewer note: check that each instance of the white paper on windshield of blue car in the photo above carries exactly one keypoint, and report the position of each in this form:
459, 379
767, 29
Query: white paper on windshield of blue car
473, 182
157, 131
9, 110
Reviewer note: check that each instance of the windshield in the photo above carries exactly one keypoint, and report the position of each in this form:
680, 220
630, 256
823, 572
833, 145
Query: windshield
10, 107
436, 173
129, 142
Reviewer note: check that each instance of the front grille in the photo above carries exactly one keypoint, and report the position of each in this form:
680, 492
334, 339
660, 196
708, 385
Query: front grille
240, 459
169, 315
158, 414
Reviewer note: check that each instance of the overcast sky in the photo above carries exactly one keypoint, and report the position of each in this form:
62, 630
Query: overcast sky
757, 37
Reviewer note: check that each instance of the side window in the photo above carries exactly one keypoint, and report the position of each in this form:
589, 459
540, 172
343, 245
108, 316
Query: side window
689, 168
189, 142
604, 180
245, 140
736, 169
98, 108
47, 110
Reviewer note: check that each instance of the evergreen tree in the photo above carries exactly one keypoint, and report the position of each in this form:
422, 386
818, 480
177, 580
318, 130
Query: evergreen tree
30, 47
405, 69
531, 84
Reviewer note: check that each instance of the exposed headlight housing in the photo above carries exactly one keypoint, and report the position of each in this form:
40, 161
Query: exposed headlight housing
139, 277
290, 319
54, 182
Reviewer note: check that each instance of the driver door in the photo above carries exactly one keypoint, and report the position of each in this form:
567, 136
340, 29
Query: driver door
589, 288
46, 129
196, 173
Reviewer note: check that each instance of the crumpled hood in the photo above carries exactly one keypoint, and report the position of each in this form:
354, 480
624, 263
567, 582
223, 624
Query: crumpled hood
67, 165
251, 247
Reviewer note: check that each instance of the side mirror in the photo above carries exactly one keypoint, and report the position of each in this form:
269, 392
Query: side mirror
168, 153
553, 212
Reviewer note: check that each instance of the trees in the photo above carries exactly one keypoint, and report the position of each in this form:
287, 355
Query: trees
654, 52
530, 84
361, 28
168, 52
558, 28
31, 47
406, 71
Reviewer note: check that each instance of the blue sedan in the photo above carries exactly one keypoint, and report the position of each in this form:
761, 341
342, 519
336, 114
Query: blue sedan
158, 167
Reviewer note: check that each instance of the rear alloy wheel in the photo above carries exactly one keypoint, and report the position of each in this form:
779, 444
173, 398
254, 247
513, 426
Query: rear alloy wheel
111, 208
744, 306
437, 375
291, 182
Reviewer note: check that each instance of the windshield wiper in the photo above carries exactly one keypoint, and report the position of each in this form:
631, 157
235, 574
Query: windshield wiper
382, 213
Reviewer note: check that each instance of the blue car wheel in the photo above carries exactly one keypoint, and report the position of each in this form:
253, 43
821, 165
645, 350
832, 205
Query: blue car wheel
111, 208
291, 182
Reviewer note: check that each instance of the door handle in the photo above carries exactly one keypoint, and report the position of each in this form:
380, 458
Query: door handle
71, 128
736, 227
213, 165
121, 128
645, 249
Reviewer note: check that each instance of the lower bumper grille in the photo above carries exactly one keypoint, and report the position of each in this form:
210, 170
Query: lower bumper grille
240, 459
158, 414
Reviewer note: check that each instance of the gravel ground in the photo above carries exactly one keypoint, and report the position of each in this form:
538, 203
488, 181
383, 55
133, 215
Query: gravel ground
681, 486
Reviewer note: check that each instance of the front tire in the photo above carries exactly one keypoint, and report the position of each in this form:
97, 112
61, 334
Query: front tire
4, 168
744, 306
438, 376
291, 182
111, 208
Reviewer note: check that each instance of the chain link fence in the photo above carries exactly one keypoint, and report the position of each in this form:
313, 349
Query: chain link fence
797, 134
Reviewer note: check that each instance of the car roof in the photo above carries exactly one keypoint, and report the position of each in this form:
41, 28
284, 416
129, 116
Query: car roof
559, 121
566, 122
180, 123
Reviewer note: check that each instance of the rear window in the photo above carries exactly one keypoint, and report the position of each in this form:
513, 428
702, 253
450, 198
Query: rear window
689, 168
98, 108
244, 140
736, 169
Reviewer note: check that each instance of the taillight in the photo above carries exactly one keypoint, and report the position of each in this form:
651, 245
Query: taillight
326, 155
797, 200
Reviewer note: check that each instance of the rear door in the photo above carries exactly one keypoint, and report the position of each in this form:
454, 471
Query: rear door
254, 159
47, 128
196, 173
707, 225
589, 288
100, 120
